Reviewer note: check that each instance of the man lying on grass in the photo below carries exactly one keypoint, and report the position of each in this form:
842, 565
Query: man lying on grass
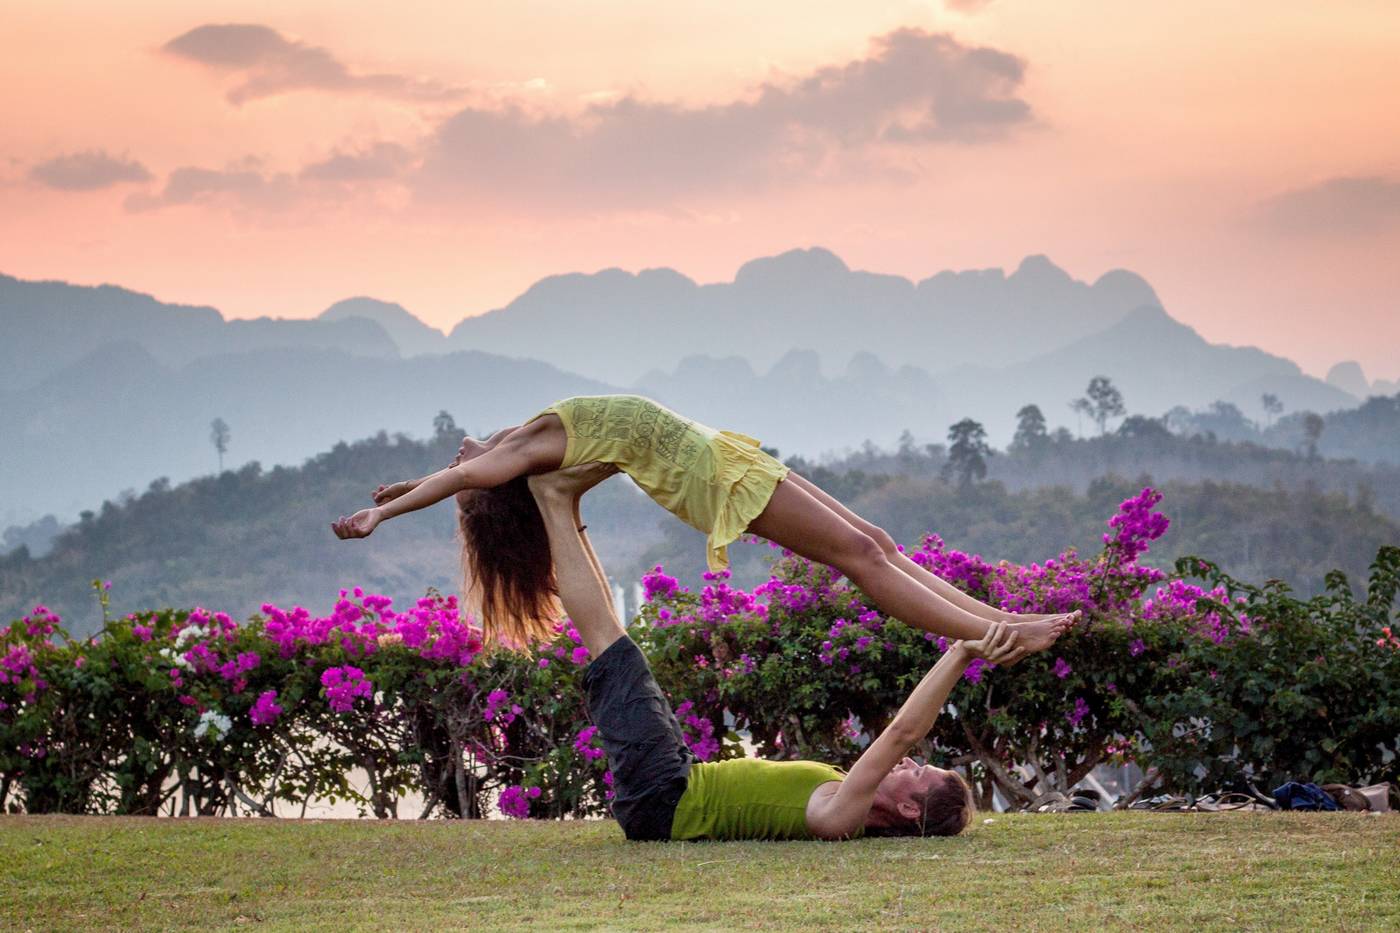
663, 793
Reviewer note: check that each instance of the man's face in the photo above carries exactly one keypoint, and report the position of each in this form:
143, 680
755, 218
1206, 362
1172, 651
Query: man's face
907, 783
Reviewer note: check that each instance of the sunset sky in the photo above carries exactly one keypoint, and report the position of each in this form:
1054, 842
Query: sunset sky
273, 158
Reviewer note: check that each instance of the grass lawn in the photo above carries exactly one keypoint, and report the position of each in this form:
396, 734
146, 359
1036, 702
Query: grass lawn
1255, 870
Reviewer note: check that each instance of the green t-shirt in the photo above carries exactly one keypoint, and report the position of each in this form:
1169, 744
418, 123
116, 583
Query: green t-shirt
749, 798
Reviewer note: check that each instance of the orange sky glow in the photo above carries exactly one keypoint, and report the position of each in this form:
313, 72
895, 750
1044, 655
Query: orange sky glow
273, 158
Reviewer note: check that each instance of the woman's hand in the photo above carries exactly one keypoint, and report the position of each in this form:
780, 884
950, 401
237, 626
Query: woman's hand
391, 492
359, 525
997, 646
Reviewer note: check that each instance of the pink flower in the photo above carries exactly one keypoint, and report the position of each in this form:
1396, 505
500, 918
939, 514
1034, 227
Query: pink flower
656, 584
1081, 709
583, 744
343, 685
514, 801
1062, 668
265, 709
975, 669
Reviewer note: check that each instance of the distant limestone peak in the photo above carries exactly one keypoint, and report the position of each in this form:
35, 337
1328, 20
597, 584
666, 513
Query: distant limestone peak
386, 313
865, 366
796, 266
797, 366
411, 335
1127, 289
1040, 270
1348, 377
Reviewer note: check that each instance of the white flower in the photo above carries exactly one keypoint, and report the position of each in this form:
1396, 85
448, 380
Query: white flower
178, 660
213, 721
190, 633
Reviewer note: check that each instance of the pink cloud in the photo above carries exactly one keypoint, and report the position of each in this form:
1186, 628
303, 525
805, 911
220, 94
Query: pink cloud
271, 64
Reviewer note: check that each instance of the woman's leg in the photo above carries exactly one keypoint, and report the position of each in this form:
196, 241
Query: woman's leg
929, 580
796, 520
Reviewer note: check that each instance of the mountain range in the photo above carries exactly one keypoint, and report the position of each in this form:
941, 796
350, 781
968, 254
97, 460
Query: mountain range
103, 389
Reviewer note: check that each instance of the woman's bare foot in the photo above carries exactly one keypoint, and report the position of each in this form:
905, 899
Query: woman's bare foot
1018, 617
1041, 634
572, 482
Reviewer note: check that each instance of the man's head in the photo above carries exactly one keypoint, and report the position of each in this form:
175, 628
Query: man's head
920, 800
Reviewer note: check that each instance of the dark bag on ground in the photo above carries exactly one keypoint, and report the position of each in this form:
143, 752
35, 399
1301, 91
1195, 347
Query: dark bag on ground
1296, 796
1348, 798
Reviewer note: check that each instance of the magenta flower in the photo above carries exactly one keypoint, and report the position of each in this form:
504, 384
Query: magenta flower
1062, 668
975, 669
656, 585
1137, 524
343, 685
583, 744
265, 709
513, 804
1081, 709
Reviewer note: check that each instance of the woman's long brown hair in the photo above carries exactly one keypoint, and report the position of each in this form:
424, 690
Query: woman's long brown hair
507, 571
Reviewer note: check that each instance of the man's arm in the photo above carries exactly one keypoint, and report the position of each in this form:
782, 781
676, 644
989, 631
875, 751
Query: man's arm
844, 812
588, 547
583, 589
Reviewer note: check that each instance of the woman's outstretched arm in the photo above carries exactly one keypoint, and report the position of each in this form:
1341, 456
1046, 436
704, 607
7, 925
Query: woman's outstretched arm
470, 449
535, 448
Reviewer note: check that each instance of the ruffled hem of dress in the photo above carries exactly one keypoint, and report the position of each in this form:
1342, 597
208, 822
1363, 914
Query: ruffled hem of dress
750, 477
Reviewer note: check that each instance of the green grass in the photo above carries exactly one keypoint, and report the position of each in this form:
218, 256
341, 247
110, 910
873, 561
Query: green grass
1252, 870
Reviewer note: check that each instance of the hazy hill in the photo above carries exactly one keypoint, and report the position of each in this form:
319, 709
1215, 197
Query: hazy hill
102, 388
120, 416
1156, 362
411, 335
802, 298
48, 326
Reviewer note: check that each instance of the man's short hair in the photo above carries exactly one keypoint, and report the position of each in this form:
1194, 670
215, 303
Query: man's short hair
944, 810
947, 807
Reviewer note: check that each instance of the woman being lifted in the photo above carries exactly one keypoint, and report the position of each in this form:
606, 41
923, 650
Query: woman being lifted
719, 482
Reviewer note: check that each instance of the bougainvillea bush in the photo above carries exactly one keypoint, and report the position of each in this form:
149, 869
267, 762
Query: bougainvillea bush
1200, 678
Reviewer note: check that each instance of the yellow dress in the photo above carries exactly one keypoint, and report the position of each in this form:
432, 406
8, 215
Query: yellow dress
715, 481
